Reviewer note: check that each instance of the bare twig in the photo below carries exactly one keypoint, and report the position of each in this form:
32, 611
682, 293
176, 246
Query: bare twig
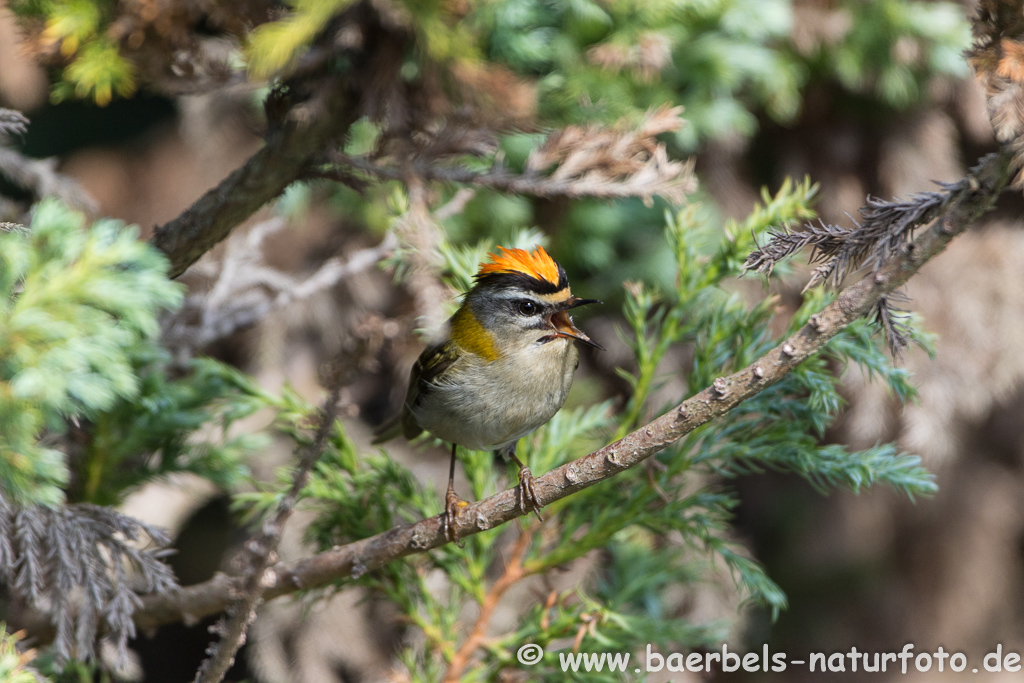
619, 161
514, 572
593, 161
246, 290
260, 551
968, 202
456, 205
38, 176
673, 189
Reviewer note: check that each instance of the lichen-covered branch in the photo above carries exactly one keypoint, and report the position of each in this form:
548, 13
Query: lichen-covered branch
965, 204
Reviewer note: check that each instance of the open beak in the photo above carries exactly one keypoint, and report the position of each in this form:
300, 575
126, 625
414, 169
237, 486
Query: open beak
564, 327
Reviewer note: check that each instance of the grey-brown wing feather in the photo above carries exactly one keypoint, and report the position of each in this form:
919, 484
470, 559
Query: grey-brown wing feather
427, 372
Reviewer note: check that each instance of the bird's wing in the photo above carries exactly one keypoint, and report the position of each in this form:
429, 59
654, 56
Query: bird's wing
427, 372
431, 369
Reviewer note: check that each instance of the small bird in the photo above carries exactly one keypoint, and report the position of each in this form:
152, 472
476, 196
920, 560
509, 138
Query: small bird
503, 369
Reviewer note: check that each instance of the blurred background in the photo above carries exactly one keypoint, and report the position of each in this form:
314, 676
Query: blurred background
865, 98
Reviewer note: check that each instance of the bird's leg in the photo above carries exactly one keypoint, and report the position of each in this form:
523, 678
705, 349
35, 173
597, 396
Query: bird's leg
452, 503
527, 495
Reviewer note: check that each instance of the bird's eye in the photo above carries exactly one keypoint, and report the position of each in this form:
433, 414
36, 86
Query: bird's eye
526, 307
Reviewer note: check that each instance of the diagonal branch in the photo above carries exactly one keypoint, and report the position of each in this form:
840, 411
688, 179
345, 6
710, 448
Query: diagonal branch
965, 204
311, 110
287, 152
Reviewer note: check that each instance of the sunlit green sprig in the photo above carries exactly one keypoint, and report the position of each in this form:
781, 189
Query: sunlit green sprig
79, 350
77, 305
14, 665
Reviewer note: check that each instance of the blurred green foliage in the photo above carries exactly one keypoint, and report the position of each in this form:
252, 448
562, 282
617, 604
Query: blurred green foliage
96, 68
79, 344
13, 663
725, 60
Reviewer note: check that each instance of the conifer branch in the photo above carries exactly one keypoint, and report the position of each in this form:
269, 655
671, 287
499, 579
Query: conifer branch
886, 228
41, 551
966, 203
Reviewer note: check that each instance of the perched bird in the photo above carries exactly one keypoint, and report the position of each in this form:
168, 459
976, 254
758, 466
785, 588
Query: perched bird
503, 369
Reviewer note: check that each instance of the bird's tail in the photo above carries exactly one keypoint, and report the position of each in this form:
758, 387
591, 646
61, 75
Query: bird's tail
388, 430
401, 424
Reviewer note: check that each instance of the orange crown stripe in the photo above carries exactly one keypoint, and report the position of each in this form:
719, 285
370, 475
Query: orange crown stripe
536, 264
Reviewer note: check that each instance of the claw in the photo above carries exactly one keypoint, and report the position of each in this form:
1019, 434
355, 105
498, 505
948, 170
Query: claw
528, 500
452, 505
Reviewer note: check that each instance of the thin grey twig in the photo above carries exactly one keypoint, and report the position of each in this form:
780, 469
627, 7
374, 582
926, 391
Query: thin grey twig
645, 185
38, 176
455, 205
246, 290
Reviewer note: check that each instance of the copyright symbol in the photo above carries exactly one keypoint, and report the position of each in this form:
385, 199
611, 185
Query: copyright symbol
530, 654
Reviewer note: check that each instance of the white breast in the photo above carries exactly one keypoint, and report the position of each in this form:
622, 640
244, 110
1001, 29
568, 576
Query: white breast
491, 405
